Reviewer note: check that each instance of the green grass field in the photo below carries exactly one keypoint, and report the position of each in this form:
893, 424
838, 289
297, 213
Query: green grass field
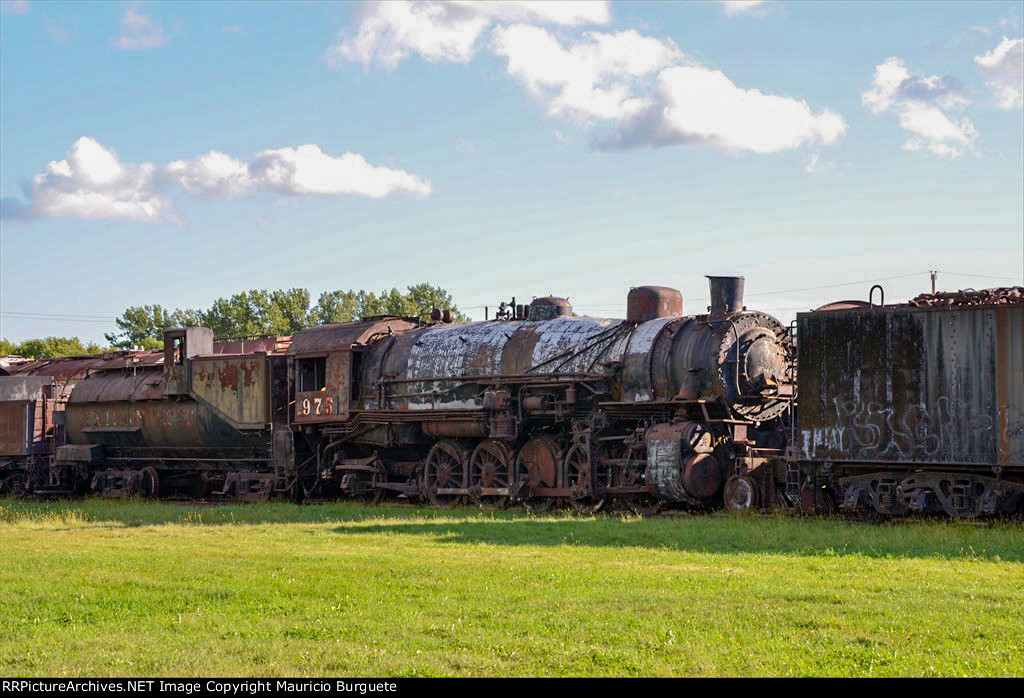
139, 588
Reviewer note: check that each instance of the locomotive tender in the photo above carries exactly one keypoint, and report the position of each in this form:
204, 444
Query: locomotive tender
914, 407
897, 409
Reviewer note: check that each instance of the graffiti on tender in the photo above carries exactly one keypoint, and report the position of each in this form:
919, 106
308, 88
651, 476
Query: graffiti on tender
945, 432
1011, 418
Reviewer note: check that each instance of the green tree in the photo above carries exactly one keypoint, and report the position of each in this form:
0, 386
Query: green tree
289, 311
143, 325
422, 298
335, 306
52, 348
281, 312
242, 315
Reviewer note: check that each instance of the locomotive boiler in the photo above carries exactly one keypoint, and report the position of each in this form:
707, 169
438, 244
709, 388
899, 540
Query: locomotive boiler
542, 406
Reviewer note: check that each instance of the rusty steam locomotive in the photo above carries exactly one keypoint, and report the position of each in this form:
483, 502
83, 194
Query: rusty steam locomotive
540, 406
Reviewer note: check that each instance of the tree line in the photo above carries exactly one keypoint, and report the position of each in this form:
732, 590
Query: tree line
253, 313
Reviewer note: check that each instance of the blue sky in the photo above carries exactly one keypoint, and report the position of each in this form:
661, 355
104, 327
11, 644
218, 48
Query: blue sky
813, 147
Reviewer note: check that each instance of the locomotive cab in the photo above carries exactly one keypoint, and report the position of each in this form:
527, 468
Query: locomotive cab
325, 363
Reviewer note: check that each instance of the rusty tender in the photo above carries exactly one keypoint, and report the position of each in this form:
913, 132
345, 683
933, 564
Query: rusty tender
913, 407
898, 409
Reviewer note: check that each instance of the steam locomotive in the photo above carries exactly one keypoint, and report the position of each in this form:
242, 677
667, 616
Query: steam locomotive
541, 407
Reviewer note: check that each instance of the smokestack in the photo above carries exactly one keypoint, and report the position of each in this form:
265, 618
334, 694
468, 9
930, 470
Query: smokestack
726, 296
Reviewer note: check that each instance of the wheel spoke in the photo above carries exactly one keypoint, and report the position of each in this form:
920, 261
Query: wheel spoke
489, 469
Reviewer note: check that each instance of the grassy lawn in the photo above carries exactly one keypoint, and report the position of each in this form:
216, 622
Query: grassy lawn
137, 588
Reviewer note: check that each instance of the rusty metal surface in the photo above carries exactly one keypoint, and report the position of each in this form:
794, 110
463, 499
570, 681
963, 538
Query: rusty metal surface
126, 408
345, 335
548, 308
913, 385
742, 359
269, 345
68, 372
119, 385
456, 429
646, 303
64, 369
726, 296
17, 423
426, 365
236, 387
1006, 295
331, 402
843, 305
638, 384
26, 415
680, 466
185, 425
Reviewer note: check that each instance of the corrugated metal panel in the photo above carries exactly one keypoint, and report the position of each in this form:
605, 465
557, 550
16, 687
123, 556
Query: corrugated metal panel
902, 384
119, 385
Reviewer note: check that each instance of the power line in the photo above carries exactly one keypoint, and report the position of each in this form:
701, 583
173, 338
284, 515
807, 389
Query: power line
56, 315
849, 283
51, 318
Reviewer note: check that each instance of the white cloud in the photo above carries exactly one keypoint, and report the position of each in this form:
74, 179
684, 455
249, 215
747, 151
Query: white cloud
921, 102
92, 182
299, 171
308, 170
743, 7
213, 174
646, 85
389, 32
591, 78
139, 32
693, 104
1004, 69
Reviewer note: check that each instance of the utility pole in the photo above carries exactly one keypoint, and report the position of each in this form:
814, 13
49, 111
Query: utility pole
933, 273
